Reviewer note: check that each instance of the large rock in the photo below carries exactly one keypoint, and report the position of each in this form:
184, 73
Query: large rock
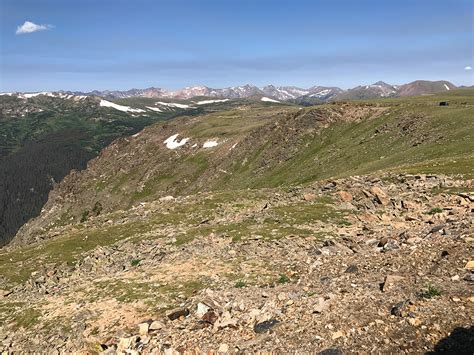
380, 195
178, 313
309, 197
470, 265
345, 196
202, 309
143, 328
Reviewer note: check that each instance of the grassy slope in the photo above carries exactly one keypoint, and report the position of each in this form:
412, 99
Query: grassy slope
281, 146
441, 137
415, 135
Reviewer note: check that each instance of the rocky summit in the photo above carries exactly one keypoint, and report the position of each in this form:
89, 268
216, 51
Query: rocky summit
244, 226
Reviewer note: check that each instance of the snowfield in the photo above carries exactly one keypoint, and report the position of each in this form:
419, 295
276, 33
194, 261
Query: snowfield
156, 109
172, 143
447, 87
209, 144
205, 102
27, 96
172, 104
45, 93
267, 99
105, 103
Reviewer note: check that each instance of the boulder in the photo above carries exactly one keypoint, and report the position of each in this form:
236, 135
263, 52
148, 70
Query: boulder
380, 195
469, 265
202, 309
143, 328
178, 313
265, 326
345, 196
309, 197
156, 325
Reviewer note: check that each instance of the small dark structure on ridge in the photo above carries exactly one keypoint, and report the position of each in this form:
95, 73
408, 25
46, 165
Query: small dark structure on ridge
444, 103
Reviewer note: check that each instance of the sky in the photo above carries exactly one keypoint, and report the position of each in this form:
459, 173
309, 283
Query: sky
84, 45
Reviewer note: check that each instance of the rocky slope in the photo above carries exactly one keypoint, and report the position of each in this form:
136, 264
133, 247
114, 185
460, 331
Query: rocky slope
364, 264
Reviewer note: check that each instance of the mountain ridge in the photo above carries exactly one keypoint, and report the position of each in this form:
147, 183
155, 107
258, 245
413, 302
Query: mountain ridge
323, 93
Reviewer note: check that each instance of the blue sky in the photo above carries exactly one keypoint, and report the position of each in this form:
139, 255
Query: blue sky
116, 44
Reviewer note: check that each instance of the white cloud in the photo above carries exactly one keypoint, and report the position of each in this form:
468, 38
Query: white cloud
468, 68
30, 27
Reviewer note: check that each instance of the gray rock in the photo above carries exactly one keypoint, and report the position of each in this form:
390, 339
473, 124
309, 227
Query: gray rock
352, 269
265, 326
177, 313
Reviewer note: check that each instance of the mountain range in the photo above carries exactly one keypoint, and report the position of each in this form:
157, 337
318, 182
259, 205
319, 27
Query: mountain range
315, 93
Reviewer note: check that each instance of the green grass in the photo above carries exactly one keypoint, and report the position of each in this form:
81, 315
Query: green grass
135, 262
152, 294
240, 284
435, 210
28, 318
18, 315
431, 291
283, 279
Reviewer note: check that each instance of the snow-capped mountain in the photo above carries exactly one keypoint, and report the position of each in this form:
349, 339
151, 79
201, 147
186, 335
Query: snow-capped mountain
281, 93
117, 94
284, 92
375, 90
323, 92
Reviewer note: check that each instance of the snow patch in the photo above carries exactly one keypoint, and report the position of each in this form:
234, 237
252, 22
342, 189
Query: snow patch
447, 87
172, 143
233, 146
27, 96
205, 102
267, 99
321, 93
209, 144
156, 109
172, 104
105, 103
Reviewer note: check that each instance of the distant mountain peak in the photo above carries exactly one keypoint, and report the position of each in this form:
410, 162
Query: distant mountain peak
321, 93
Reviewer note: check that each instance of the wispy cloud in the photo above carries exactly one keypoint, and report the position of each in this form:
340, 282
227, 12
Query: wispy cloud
468, 68
30, 27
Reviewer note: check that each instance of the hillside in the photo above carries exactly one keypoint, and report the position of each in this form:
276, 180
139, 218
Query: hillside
45, 136
255, 146
250, 225
423, 87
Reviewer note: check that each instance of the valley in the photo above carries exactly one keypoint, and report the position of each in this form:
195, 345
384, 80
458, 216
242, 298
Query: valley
45, 136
